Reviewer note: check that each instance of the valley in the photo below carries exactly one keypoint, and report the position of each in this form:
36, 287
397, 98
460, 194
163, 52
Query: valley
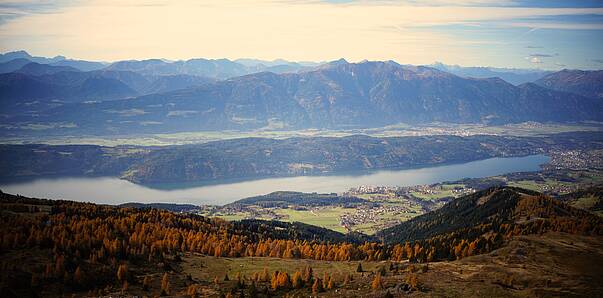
335, 95
301, 149
524, 129
385, 206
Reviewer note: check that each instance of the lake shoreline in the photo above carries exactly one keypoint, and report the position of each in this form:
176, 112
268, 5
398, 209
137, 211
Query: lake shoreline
116, 191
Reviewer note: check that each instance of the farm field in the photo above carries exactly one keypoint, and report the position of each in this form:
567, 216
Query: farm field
397, 130
388, 206
323, 217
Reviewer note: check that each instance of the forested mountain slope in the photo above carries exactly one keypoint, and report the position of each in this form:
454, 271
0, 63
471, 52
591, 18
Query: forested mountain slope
259, 157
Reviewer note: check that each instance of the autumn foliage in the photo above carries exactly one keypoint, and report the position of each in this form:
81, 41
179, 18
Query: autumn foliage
93, 245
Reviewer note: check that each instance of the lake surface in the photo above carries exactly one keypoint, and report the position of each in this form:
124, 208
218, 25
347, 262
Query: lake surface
115, 191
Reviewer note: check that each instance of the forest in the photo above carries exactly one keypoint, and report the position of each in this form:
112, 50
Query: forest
89, 247
252, 158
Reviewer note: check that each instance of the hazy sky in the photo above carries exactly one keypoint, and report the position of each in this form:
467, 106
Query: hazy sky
506, 33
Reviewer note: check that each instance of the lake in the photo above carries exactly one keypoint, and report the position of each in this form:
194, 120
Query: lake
111, 190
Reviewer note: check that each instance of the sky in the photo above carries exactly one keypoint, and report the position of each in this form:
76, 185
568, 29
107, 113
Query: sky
546, 34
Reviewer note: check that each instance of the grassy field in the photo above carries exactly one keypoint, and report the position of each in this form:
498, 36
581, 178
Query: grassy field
233, 217
327, 217
527, 184
207, 268
523, 268
445, 192
587, 203
549, 265
391, 210
324, 217
547, 185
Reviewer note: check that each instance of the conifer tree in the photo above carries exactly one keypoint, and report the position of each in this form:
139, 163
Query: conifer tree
317, 286
377, 282
146, 283
165, 285
296, 280
121, 272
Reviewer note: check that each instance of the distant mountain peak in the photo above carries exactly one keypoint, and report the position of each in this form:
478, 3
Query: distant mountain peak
588, 83
340, 61
514, 76
23, 54
19, 52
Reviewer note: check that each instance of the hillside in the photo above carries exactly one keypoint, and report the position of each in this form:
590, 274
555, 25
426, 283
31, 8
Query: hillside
53, 85
582, 82
588, 199
467, 212
37, 69
53, 248
12, 65
249, 158
257, 157
543, 265
495, 212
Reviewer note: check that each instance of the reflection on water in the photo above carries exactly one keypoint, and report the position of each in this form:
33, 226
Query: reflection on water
115, 191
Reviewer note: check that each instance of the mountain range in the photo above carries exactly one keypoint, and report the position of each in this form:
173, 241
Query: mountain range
336, 95
512, 75
53, 85
201, 94
212, 68
82, 65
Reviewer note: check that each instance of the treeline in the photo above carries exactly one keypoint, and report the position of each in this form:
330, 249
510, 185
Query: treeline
163, 206
284, 199
300, 231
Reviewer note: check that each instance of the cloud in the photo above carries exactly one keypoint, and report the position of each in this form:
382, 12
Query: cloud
404, 31
535, 60
489, 3
181, 113
542, 55
598, 60
556, 25
560, 64
534, 47
12, 9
